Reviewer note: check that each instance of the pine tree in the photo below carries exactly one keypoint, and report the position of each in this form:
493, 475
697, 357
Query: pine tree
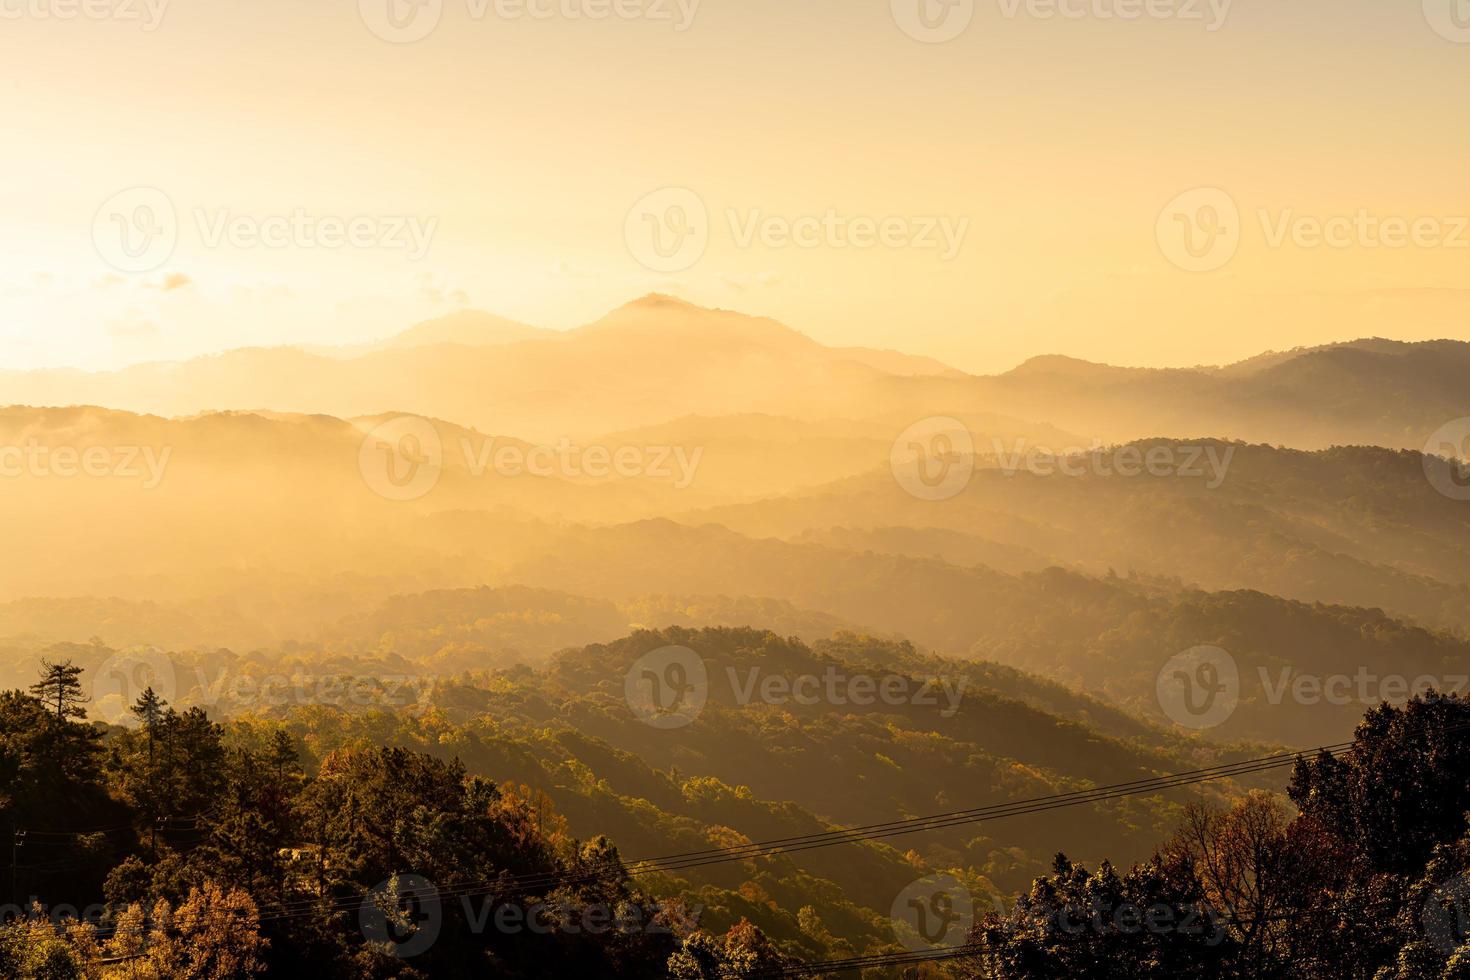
145, 785
151, 711
59, 686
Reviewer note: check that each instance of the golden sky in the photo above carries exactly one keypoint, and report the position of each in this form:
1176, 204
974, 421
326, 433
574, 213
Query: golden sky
320, 173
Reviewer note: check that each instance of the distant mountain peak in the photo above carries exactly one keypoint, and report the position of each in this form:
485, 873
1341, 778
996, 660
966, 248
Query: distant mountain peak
666, 301
1057, 362
664, 307
662, 315
1347, 348
1060, 365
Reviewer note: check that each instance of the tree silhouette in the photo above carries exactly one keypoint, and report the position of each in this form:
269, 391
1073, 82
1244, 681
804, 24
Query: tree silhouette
60, 687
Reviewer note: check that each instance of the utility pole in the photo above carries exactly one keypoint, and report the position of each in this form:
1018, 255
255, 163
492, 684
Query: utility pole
15, 844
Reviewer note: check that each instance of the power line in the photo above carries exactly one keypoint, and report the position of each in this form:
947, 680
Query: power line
698, 859
691, 860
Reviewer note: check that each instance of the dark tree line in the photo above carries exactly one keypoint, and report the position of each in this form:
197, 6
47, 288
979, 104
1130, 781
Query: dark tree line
209, 852
1368, 880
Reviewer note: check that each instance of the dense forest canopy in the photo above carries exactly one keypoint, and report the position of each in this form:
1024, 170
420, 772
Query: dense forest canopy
505, 824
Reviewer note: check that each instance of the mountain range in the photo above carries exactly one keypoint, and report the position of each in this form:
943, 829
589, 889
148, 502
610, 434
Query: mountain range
769, 493
658, 359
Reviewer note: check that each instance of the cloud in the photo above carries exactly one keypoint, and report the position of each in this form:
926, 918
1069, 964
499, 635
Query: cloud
433, 290
169, 283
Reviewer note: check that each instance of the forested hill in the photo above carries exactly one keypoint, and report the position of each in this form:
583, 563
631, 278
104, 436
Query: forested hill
282, 784
525, 824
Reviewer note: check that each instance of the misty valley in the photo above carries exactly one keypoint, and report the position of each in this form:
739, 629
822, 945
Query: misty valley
734, 489
392, 696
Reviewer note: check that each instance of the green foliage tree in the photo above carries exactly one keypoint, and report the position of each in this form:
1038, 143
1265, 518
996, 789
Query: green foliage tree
1151, 923
744, 951
170, 769
34, 949
254, 822
1404, 787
